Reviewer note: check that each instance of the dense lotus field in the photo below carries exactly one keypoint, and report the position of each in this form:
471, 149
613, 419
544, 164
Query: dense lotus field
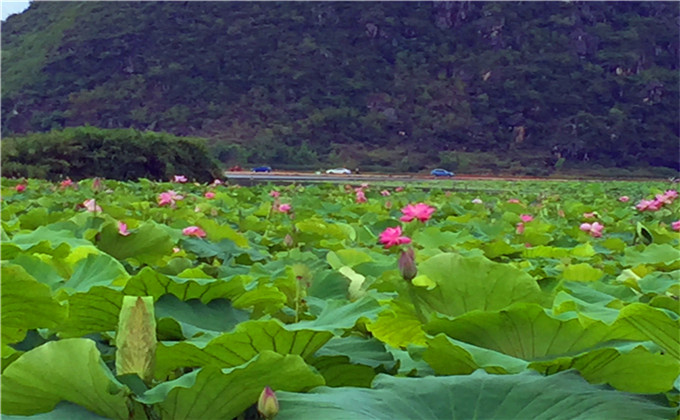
486, 300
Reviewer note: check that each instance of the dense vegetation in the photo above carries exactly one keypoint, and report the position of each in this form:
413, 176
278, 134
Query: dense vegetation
358, 83
123, 154
154, 301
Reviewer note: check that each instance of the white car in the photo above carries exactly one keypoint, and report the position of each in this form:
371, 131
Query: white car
339, 171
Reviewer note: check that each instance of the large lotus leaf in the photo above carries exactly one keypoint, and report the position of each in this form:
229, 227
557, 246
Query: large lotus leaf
63, 410
196, 318
148, 243
331, 285
654, 324
96, 270
225, 250
51, 237
67, 370
468, 283
313, 229
237, 347
217, 232
564, 302
338, 315
213, 393
369, 352
339, 371
149, 282
628, 367
40, 270
660, 283
499, 247
527, 331
347, 257
96, 310
581, 272
398, 325
433, 237
653, 254
528, 395
452, 357
26, 304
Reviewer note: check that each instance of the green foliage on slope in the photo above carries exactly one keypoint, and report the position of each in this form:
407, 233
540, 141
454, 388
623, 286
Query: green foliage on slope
295, 82
123, 154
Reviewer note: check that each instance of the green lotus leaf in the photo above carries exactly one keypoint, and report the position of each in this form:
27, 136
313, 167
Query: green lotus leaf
63, 410
148, 282
545, 251
55, 371
628, 367
247, 340
96, 270
468, 283
148, 243
9, 355
452, 357
96, 310
654, 254
338, 315
211, 393
48, 239
434, 237
26, 304
659, 282
347, 257
581, 272
654, 324
338, 371
527, 331
216, 232
564, 302
398, 325
332, 285
40, 270
196, 318
528, 395
369, 352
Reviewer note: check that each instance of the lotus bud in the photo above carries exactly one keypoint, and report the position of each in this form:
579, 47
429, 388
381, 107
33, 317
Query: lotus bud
288, 241
136, 337
268, 405
407, 265
97, 184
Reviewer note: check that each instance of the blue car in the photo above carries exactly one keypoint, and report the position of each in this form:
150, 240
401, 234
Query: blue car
262, 169
441, 172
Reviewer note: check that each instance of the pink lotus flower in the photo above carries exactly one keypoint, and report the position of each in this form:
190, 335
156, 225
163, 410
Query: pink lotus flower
672, 194
169, 197
209, 195
123, 229
385, 193
388, 204
663, 199
676, 225
420, 211
284, 208
519, 228
194, 231
477, 201
20, 188
399, 189
594, 229
364, 186
217, 182
392, 236
361, 197
589, 215
91, 205
66, 183
527, 245
561, 213
526, 218
180, 179
274, 193
624, 199
513, 201
175, 250
643, 205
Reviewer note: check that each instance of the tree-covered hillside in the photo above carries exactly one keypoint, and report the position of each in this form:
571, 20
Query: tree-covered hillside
391, 83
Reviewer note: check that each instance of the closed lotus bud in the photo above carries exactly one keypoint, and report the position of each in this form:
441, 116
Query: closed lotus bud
268, 404
407, 265
136, 337
288, 241
97, 184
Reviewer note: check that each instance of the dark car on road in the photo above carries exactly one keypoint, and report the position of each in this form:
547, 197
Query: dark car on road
441, 172
262, 169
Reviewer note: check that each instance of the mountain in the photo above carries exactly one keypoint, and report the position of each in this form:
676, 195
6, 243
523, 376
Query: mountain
394, 84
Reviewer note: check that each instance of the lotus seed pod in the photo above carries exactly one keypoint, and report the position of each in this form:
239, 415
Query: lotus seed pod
136, 337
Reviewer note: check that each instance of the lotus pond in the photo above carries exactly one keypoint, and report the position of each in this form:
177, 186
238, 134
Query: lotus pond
493, 300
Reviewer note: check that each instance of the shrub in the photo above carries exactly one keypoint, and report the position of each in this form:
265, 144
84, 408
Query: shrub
122, 154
